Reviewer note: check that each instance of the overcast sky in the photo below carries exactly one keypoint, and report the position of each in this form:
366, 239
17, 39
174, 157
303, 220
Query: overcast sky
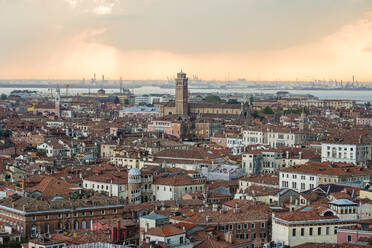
214, 39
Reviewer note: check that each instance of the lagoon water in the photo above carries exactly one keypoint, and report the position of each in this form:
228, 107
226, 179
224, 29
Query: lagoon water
361, 95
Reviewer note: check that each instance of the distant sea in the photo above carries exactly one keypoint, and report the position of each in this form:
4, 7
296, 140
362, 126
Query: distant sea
359, 95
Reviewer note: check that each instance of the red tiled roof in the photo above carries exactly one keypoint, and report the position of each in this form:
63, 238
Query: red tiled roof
165, 231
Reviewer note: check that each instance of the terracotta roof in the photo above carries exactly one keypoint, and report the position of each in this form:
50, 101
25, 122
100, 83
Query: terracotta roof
307, 213
165, 231
175, 180
328, 168
50, 186
327, 245
268, 179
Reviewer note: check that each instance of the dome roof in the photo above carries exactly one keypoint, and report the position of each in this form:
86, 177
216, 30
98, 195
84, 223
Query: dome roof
134, 172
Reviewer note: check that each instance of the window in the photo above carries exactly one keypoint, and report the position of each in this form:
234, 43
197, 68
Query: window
91, 213
76, 225
83, 213
302, 186
349, 238
294, 232
335, 230
252, 226
327, 230
319, 231
33, 230
67, 215
181, 240
302, 231
115, 210
311, 231
253, 235
33, 217
47, 217
263, 224
294, 185
245, 226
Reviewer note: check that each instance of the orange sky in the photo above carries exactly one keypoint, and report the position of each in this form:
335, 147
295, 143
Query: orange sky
216, 40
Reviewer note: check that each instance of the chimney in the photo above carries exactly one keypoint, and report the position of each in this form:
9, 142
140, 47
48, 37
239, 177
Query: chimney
236, 209
215, 207
118, 231
23, 184
228, 237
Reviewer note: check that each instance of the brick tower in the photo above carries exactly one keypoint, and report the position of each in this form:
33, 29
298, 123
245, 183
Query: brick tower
182, 94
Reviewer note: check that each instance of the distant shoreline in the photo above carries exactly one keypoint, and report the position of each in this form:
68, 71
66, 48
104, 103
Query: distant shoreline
139, 86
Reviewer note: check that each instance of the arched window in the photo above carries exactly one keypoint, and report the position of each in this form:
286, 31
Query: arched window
83, 225
328, 213
60, 227
46, 228
90, 224
67, 226
33, 230
76, 225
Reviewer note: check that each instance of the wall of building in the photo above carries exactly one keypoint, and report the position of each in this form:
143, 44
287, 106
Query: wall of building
297, 181
284, 233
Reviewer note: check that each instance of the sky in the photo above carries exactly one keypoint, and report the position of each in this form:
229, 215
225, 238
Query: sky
213, 39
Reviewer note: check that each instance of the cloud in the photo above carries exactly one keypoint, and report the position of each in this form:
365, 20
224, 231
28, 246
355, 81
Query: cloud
368, 49
253, 39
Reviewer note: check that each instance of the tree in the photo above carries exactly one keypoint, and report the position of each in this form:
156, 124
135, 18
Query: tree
233, 101
255, 114
3, 97
11, 244
213, 99
267, 110
5, 133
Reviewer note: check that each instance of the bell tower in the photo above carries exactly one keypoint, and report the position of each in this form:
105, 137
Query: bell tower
57, 102
182, 94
